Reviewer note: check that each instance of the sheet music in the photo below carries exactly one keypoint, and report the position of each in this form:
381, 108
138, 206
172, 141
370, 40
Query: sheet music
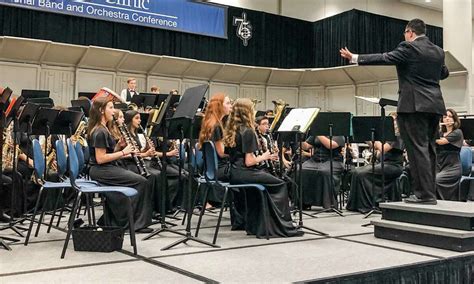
299, 117
369, 99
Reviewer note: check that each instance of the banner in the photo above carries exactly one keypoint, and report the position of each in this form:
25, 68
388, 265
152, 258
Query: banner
178, 15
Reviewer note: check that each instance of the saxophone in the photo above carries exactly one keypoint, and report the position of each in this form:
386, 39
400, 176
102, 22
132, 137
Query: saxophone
8, 150
79, 134
280, 106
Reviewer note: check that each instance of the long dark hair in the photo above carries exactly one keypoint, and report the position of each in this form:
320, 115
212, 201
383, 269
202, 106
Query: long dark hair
129, 115
96, 113
456, 120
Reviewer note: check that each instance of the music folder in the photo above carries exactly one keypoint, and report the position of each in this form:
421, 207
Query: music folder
299, 120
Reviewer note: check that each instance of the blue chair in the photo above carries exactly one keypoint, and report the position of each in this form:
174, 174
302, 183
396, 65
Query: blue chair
466, 165
39, 169
73, 174
210, 178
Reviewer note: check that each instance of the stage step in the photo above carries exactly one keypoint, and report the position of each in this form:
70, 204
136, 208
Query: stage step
446, 214
445, 238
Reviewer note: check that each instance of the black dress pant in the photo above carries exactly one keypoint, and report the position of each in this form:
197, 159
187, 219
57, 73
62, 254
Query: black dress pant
419, 132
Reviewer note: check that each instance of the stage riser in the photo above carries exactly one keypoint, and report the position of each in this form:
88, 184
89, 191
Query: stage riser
443, 242
429, 219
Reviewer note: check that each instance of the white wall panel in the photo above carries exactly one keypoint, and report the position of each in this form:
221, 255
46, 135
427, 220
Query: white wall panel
166, 84
363, 107
60, 81
454, 92
190, 84
254, 92
341, 99
19, 76
230, 90
389, 90
289, 95
312, 97
92, 80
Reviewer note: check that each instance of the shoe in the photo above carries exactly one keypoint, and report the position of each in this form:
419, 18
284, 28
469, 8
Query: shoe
77, 223
4, 218
414, 199
144, 230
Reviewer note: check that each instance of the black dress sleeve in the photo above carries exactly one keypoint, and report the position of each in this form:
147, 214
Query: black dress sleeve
455, 138
100, 139
217, 134
310, 140
249, 141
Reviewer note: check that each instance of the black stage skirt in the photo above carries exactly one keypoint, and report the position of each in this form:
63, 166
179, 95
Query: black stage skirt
361, 196
247, 209
448, 176
115, 212
316, 184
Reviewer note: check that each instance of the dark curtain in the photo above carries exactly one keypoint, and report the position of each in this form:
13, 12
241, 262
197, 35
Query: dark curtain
277, 41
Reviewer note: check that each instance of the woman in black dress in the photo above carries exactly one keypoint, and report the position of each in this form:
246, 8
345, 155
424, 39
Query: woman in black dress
132, 121
317, 187
241, 139
448, 161
104, 154
212, 130
361, 196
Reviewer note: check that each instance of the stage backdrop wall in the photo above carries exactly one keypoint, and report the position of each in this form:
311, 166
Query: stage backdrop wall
276, 41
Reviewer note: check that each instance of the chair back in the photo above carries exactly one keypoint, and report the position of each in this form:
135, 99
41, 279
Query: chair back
197, 159
466, 160
38, 159
210, 161
73, 162
80, 157
61, 158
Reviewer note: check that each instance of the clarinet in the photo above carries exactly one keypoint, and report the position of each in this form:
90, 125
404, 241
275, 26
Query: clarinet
142, 170
155, 160
268, 164
275, 165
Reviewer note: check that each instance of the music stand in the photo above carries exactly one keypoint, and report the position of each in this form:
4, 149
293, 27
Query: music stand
144, 119
44, 102
295, 126
181, 126
32, 94
160, 129
374, 128
41, 125
85, 105
66, 122
331, 124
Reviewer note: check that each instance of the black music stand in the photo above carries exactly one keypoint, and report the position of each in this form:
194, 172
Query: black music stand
4, 103
160, 129
181, 126
13, 118
34, 94
84, 105
295, 132
42, 124
331, 124
374, 128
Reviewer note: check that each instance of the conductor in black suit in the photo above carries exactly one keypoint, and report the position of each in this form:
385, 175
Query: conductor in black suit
420, 67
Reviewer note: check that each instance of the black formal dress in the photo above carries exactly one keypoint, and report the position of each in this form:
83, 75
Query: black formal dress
420, 67
115, 212
276, 194
449, 169
316, 174
361, 196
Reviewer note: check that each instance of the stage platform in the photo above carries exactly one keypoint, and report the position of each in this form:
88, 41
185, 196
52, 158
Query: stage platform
349, 254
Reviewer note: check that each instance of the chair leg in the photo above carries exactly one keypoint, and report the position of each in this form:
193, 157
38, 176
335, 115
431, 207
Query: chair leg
206, 192
220, 216
27, 239
71, 223
131, 225
54, 211
264, 213
93, 211
88, 208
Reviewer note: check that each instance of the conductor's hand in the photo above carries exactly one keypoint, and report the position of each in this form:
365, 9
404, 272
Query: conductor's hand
345, 53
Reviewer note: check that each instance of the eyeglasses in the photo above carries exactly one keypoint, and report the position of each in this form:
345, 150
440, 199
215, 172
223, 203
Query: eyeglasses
407, 31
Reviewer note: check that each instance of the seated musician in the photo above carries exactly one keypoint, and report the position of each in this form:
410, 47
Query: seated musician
318, 190
104, 154
361, 196
131, 90
241, 139
448, 168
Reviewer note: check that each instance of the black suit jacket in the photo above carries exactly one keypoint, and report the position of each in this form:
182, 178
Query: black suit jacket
420, 67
